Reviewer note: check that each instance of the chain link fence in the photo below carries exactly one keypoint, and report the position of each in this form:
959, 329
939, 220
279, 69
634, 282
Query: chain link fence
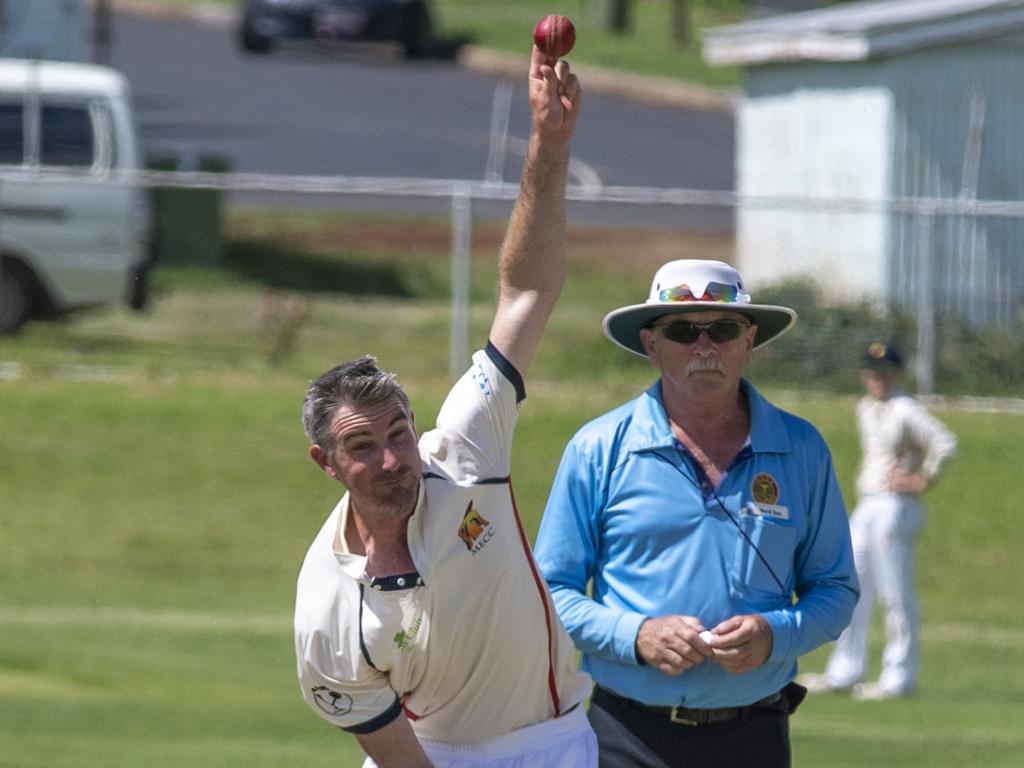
956, 346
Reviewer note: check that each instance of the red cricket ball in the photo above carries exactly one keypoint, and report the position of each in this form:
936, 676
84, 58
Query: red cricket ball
554, 35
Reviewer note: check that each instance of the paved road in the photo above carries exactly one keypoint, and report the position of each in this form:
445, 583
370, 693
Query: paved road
368, 112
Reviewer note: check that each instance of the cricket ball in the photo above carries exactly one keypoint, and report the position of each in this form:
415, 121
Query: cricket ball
554, 35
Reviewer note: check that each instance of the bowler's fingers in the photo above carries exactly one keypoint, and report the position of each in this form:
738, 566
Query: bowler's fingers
538, 59
556, 76
568, 86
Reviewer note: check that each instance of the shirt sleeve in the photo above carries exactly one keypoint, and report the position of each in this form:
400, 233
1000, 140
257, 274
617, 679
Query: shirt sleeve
358, 700
826, 579
937, 443
473, 437
566, 550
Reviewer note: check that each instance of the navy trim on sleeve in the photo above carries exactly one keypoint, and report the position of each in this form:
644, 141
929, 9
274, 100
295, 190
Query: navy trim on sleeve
507, 369
375, 724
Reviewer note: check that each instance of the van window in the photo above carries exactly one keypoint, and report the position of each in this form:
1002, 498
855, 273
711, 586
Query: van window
12, 143
66, 136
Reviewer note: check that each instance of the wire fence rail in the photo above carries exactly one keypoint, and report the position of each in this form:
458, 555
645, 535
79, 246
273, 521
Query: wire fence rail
462, 193
503, 190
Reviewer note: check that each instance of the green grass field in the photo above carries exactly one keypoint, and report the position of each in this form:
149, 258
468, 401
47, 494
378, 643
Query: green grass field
156, 501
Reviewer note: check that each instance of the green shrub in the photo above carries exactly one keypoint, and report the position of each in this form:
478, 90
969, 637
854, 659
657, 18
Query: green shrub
823, 349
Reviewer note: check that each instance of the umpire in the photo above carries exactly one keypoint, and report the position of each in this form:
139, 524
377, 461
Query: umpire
695, 540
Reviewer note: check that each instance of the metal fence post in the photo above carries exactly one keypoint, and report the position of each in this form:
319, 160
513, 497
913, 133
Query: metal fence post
925, 360
462, 227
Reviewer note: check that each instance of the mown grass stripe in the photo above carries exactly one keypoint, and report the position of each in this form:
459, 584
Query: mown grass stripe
273, 623
189, 621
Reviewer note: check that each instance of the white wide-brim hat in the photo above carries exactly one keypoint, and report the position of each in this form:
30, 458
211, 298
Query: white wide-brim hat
695, 285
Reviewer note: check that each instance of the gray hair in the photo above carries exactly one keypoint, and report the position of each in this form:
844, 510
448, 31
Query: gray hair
356, 383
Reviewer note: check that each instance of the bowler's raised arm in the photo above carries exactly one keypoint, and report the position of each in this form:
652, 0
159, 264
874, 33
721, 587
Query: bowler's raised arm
532, 265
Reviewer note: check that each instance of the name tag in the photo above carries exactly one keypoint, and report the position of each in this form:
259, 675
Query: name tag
767, 510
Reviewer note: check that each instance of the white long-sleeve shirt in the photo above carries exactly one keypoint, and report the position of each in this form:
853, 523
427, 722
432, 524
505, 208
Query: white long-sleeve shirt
899, 432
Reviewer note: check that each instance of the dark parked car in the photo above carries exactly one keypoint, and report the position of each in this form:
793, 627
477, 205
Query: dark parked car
265, 22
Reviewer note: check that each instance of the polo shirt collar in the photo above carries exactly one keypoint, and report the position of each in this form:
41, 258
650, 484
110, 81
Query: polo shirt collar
353, 565
649, 428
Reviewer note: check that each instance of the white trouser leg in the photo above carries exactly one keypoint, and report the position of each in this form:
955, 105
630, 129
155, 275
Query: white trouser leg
894, 546
846, 665
563, 742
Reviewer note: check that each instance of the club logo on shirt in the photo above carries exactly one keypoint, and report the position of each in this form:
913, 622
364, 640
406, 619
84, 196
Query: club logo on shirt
764, 489
480, 377
405, 638
333, 703
475, 530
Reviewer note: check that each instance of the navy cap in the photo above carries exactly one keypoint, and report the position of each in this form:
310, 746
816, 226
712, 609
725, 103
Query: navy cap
880, 356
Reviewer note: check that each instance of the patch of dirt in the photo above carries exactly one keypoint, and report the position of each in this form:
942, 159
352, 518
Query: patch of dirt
595, 245
646, 248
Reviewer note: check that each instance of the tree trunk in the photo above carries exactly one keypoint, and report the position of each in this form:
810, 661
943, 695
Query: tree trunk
680, 23
618, 15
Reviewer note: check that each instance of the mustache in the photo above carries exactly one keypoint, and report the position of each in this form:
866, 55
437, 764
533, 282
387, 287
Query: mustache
395, 474
705, 365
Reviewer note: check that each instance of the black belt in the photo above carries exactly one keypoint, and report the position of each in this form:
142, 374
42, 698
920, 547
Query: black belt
684, 716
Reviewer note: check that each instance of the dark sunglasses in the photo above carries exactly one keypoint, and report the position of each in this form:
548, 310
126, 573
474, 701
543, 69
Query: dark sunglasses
685, 332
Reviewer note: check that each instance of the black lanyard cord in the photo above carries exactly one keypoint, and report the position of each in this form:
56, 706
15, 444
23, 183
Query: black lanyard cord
735, 522
748, 540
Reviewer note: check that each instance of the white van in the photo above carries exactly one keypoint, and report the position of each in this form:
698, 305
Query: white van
72, 234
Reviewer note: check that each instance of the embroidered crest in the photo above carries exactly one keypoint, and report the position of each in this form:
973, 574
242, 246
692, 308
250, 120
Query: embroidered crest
331, 702
764, 489
404, 639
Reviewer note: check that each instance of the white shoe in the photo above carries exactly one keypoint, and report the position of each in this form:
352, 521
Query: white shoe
815, 682
876, 692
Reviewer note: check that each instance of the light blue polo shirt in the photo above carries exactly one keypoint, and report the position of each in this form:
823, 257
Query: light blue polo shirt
632, 513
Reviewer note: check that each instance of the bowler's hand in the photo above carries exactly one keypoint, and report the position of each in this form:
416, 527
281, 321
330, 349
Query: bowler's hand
672, 644
742, 643
554, 97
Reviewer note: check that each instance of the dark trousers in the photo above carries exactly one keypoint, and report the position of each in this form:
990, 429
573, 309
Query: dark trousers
631, 737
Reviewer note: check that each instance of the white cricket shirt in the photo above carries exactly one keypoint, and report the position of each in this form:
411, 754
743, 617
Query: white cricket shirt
899, 432
473, 649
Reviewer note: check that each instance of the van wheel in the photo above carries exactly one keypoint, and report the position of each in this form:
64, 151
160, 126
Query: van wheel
15, 301
253, 42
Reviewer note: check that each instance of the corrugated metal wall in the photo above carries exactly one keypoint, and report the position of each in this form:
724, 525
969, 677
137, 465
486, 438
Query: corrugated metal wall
956, 130
959, 132
44, 29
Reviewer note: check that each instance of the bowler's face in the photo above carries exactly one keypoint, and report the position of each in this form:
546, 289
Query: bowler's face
375, 456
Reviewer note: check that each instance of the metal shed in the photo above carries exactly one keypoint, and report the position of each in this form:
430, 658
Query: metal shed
43, 29
868, 105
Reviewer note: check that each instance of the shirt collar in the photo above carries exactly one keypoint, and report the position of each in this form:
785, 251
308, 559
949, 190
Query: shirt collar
649, 428
353, 565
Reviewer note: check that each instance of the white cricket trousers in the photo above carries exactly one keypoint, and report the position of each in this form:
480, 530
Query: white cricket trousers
566, 742
884, 530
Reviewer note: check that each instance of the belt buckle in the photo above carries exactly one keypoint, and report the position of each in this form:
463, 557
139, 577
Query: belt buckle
675, 717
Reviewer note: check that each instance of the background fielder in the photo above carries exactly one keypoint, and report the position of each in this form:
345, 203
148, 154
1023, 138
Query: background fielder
904, 449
